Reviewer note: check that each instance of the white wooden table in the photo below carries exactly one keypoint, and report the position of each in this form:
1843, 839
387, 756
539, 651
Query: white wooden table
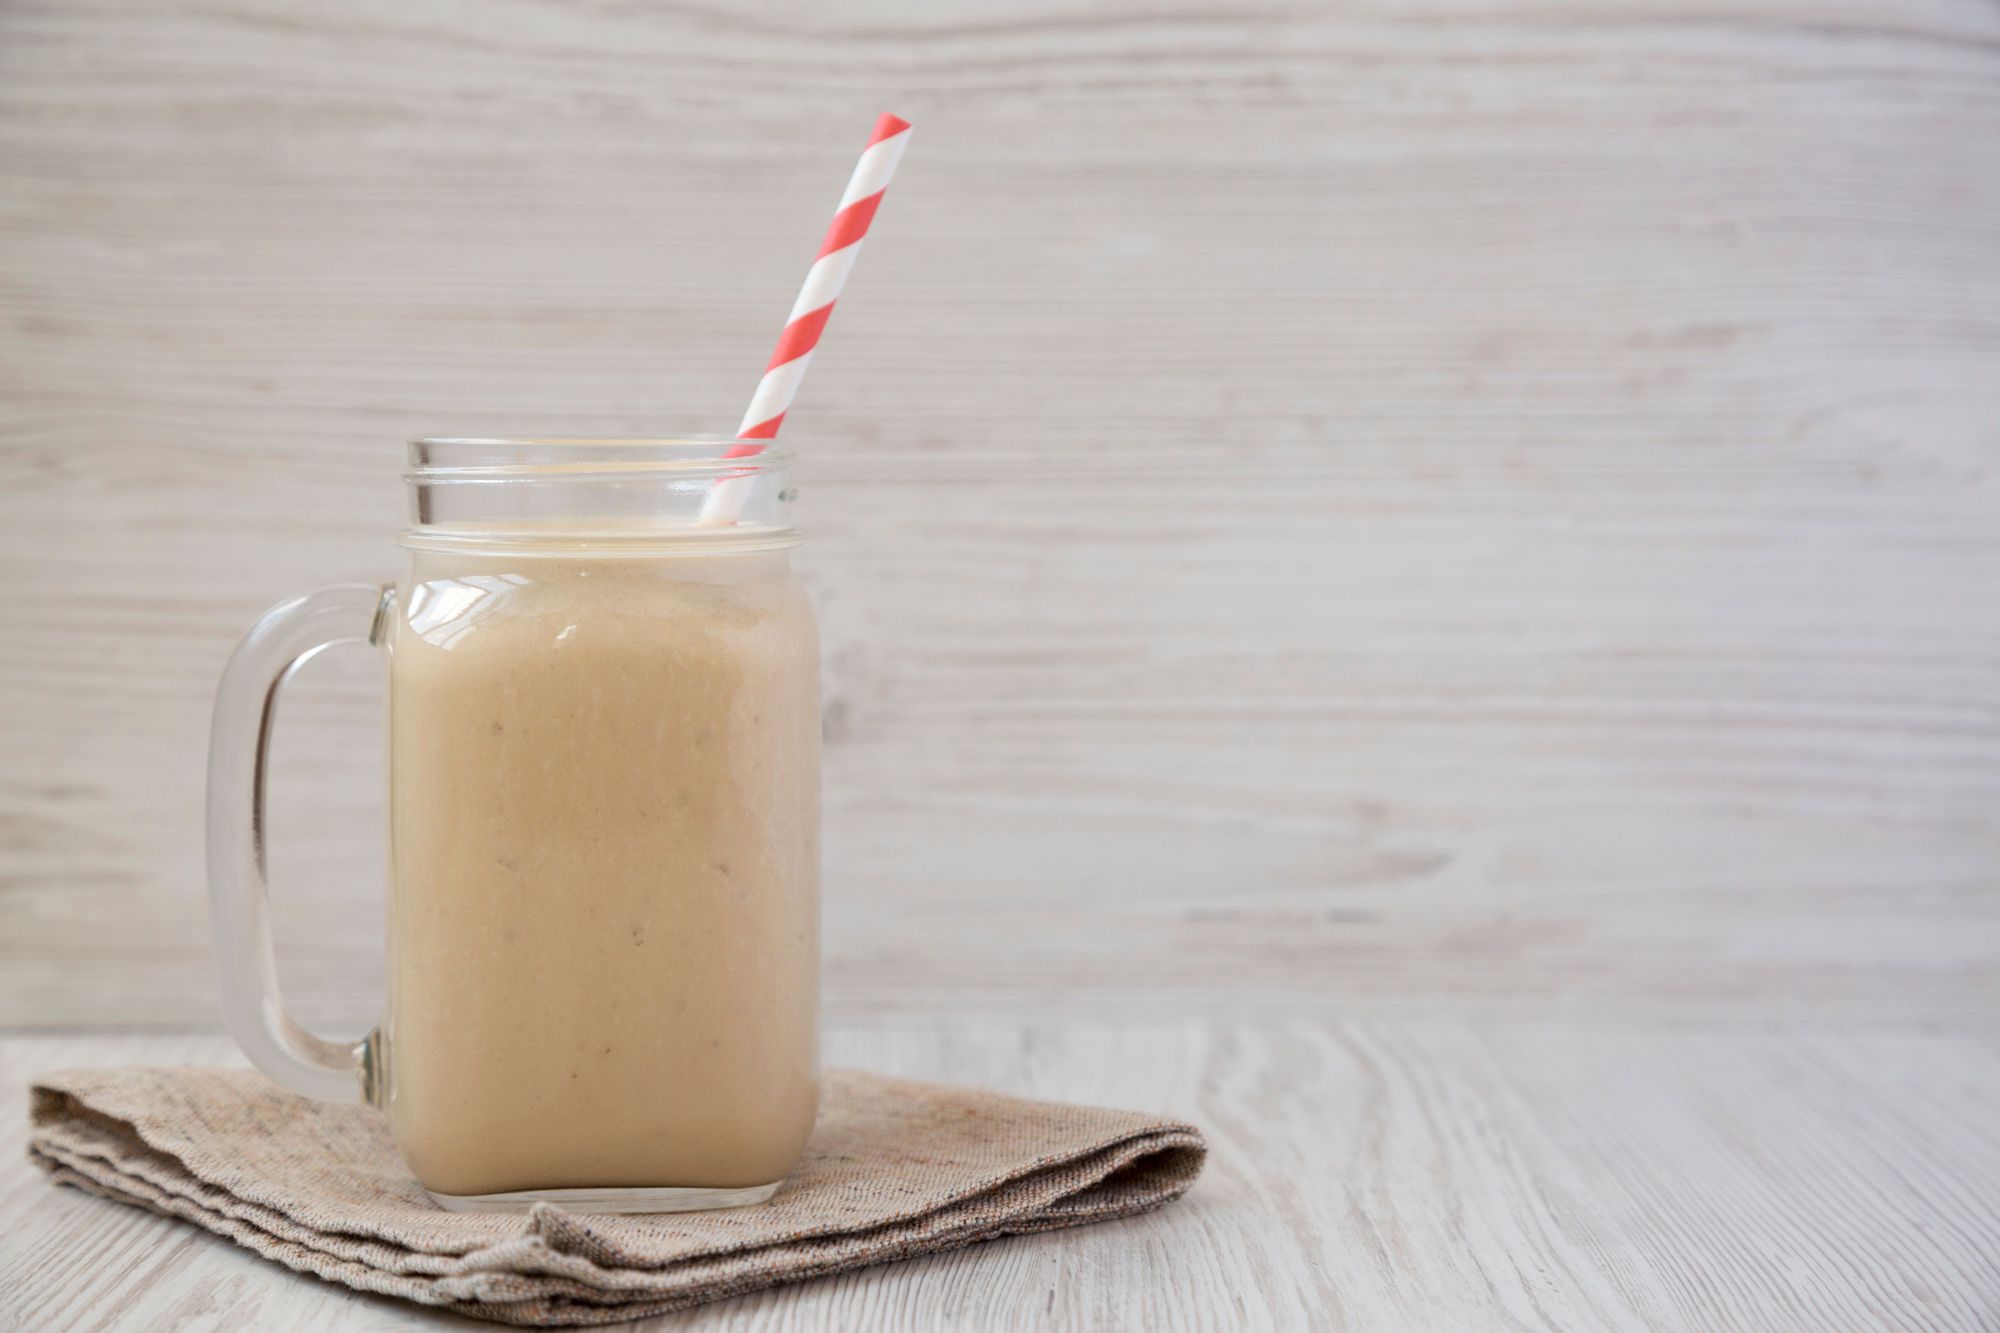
1381, 1174
1412, 583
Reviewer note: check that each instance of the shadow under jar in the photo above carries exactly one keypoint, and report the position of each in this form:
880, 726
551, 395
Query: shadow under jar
604, 830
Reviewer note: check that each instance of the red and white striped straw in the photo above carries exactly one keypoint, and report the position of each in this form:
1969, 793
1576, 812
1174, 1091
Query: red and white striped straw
810, 312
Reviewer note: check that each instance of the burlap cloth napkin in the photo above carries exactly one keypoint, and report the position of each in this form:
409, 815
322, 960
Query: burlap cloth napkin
895, 1169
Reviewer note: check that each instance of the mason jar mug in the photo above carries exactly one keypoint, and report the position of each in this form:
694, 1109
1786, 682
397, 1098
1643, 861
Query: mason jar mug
603, 899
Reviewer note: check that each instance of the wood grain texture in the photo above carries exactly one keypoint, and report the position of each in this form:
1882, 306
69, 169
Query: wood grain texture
1364, 509
1424, 1174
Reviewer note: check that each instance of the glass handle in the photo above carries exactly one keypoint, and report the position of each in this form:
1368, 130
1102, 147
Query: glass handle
239, 751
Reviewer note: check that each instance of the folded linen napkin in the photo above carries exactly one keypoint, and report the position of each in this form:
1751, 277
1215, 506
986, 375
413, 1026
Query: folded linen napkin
895, 1170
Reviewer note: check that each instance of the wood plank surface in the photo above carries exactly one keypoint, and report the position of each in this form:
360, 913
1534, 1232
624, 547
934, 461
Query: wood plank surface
1413, 584
1422, 1174
1347, 507
1362, 508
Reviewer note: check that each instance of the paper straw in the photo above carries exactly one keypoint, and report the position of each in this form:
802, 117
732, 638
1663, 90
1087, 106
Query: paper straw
810, 312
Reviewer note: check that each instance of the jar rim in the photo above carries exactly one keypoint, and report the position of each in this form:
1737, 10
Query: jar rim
703, 441
496, 489
442, 457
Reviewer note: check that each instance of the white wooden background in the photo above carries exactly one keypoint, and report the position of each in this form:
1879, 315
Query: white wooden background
1365, 512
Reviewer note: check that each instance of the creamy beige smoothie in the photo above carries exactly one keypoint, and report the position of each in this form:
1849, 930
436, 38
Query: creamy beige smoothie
603, 934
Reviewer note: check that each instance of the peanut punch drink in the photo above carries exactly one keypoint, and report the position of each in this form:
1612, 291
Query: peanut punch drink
604, 927
604, 787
